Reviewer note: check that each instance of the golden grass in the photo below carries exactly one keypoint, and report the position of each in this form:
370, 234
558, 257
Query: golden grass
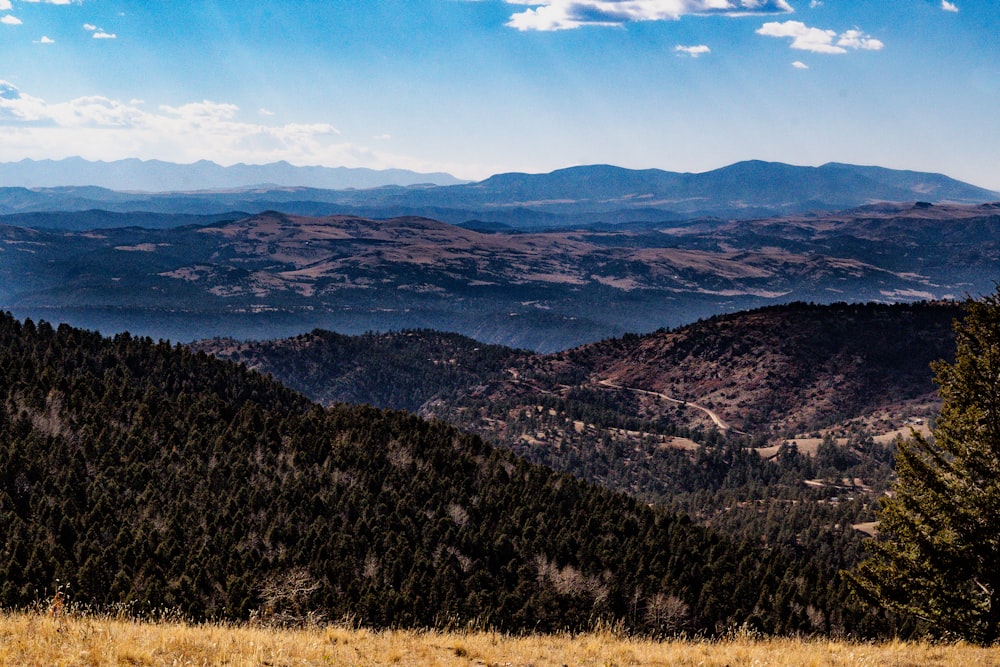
39, 639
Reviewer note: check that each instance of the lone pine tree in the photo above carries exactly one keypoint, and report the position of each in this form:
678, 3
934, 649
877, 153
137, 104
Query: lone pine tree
937, 555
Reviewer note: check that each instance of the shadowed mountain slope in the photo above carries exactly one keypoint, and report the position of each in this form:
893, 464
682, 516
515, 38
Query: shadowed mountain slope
396, 370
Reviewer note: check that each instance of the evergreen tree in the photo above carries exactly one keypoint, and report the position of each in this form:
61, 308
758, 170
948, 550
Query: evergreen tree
937, 556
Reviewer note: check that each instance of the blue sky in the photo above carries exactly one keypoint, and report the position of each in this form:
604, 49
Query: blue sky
476, 87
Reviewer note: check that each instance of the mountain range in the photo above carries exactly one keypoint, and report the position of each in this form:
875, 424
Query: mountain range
159, 176
564, 198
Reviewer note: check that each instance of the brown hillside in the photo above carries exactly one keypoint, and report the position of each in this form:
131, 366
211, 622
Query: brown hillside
795, 368
775, 371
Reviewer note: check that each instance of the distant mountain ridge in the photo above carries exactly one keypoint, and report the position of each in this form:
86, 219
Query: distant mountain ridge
574, 196
748, 184
159, 176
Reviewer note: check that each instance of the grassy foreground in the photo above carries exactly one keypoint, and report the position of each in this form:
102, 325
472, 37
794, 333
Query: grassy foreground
40, 639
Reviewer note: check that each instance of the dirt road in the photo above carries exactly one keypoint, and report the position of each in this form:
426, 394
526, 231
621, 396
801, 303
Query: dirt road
716, 419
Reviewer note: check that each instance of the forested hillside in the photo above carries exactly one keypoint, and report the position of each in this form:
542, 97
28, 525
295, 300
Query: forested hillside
846, 376
143, 474
399, 370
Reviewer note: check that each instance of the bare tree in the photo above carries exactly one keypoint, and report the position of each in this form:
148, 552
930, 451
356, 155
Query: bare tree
285, 598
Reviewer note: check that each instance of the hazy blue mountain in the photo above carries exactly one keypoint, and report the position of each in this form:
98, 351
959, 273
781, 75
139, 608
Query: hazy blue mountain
575, 196
159, 176
746, 185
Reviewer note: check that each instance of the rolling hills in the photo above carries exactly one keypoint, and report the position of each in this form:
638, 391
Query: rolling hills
770, 372
273, 274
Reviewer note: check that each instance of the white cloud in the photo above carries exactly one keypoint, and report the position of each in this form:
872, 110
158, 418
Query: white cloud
949, 6
11, 20
813, 4
202, 111
798, 64
855, 39
100, 128
265, 112
803, 37
693, 51
5, 6
99, 33
818, 40
55, 2
568, 14
45, 40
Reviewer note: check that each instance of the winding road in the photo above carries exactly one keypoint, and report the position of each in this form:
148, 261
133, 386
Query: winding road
716, 419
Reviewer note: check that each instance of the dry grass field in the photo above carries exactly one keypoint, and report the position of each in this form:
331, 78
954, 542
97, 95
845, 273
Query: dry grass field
40, 639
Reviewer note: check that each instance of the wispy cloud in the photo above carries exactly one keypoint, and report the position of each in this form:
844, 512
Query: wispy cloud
548, 15
45, 40
10, 19
693, 51
55, 2
798, 64
101, 128
818, 40
99, 33
949, 6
